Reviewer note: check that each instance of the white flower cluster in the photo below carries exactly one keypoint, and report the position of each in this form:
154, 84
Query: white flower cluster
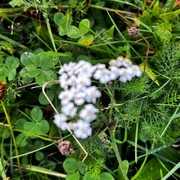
79, 95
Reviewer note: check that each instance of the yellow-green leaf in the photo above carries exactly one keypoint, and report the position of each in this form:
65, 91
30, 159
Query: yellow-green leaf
86, 40
149, 72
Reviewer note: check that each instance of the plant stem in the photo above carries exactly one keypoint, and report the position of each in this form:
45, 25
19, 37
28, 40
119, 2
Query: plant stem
49, 27
13, 137
111, 10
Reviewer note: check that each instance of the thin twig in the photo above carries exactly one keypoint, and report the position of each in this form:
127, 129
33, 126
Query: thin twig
43, 90
147, 51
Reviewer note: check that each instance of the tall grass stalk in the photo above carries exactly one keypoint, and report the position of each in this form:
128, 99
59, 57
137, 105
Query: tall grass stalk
12, 135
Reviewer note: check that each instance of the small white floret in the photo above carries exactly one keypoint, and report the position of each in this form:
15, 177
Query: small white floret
127, 62
79, 98
114, 72
136, 70
88, 113
91, 94
65, 97
112, 62
69, 109
103, 75
119, 61
125, 74
60, 121
82, 129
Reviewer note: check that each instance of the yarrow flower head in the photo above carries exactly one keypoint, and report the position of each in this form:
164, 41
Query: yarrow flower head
123, 69
79, 96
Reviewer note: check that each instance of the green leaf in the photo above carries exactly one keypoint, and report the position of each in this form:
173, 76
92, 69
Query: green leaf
39, 156
5, 133
51, 164
170, 154
152, 170
62, 31
45, 62
81, 167
73, 32
110, 33
3, 72
84, 26
30, 71
11, 62
90, 176
11, 74
84, 57
73, 176
55, 54
40, 128
144, 136
21, 140
106, 176
59, 19
44, 126
42, 99
155, 9
63, 22
86, 40
27, 58
3, 79
39, 143
70, 165
45, 76
123, 170
36, 113
18, 3
145, 18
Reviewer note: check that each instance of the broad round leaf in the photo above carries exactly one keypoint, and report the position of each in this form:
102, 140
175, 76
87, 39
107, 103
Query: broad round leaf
62, 31
73, 176
11, 74
45, 62
30, 71
86, 40
106, 176
39, 156
19, 122
5, 133
36, 113
42, 98
81, 168
73, 32
46, 75
3, 72
27, 58
90, 176
11, 62
144, 136
84, 26
70, 165
39, 128
21, 140
59, 18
